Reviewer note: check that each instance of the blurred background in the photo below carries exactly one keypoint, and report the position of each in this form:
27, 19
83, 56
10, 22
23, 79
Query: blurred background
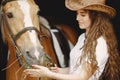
56, 12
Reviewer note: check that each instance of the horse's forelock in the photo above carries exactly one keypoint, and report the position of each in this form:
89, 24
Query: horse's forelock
3, 2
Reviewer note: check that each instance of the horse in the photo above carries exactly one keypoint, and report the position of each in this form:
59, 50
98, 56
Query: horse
28, 39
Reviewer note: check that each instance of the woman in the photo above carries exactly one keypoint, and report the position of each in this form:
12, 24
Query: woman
95, 56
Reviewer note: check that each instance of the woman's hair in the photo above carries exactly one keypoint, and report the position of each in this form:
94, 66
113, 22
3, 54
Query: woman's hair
101, 26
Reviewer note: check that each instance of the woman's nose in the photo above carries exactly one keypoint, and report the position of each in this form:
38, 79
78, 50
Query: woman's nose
78, 17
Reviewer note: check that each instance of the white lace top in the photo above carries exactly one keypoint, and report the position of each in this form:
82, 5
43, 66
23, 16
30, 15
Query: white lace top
101, 56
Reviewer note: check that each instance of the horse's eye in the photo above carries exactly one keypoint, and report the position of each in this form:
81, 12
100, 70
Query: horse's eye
9, 15
38, 13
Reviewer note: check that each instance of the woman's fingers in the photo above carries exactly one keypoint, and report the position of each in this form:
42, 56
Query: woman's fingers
29, 71
36, 66
33, 72
37, 71
56, 65
54, 69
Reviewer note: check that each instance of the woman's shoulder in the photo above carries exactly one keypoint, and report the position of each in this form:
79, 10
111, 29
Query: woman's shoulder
81, 36
101, 51
101, 43
101, 48
101, 39
80, 39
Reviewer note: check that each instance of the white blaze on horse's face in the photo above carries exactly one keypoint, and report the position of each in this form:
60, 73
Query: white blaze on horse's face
25, 7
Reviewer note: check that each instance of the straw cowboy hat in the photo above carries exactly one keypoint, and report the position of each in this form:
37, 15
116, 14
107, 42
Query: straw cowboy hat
97, 5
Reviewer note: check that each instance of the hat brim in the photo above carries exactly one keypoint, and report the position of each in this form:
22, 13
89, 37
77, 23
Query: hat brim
97, 7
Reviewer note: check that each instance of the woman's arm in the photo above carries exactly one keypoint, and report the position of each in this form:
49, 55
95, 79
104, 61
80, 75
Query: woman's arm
63, 70
86, 72
41, 71
81, 76
59, 70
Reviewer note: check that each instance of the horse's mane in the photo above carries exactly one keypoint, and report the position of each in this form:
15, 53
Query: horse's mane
1, 25
44, 21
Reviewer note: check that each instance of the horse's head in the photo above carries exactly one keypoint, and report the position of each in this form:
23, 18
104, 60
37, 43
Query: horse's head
22, 21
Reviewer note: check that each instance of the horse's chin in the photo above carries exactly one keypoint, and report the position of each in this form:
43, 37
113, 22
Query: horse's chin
42, 59
31, 61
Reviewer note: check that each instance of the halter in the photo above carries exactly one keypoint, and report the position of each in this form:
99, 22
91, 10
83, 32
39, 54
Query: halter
13, 37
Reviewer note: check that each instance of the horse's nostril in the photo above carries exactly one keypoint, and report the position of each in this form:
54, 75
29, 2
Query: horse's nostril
29, 55
27, 52
30, 30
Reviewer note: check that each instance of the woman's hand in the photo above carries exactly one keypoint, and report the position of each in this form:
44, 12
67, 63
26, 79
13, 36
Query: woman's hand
54, 69
37, 71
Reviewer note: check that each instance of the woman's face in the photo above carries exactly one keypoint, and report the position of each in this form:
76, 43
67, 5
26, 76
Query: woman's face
83, 19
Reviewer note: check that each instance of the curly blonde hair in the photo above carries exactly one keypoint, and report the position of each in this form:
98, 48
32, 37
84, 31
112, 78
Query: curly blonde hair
101, 26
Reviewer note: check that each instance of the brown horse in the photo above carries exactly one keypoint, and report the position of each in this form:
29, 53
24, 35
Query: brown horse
28, 39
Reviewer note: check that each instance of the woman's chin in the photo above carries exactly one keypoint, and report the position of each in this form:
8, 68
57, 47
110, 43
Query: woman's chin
82, 27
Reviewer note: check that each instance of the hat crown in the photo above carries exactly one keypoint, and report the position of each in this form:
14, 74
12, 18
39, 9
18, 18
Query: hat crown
96, 5
89, 2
